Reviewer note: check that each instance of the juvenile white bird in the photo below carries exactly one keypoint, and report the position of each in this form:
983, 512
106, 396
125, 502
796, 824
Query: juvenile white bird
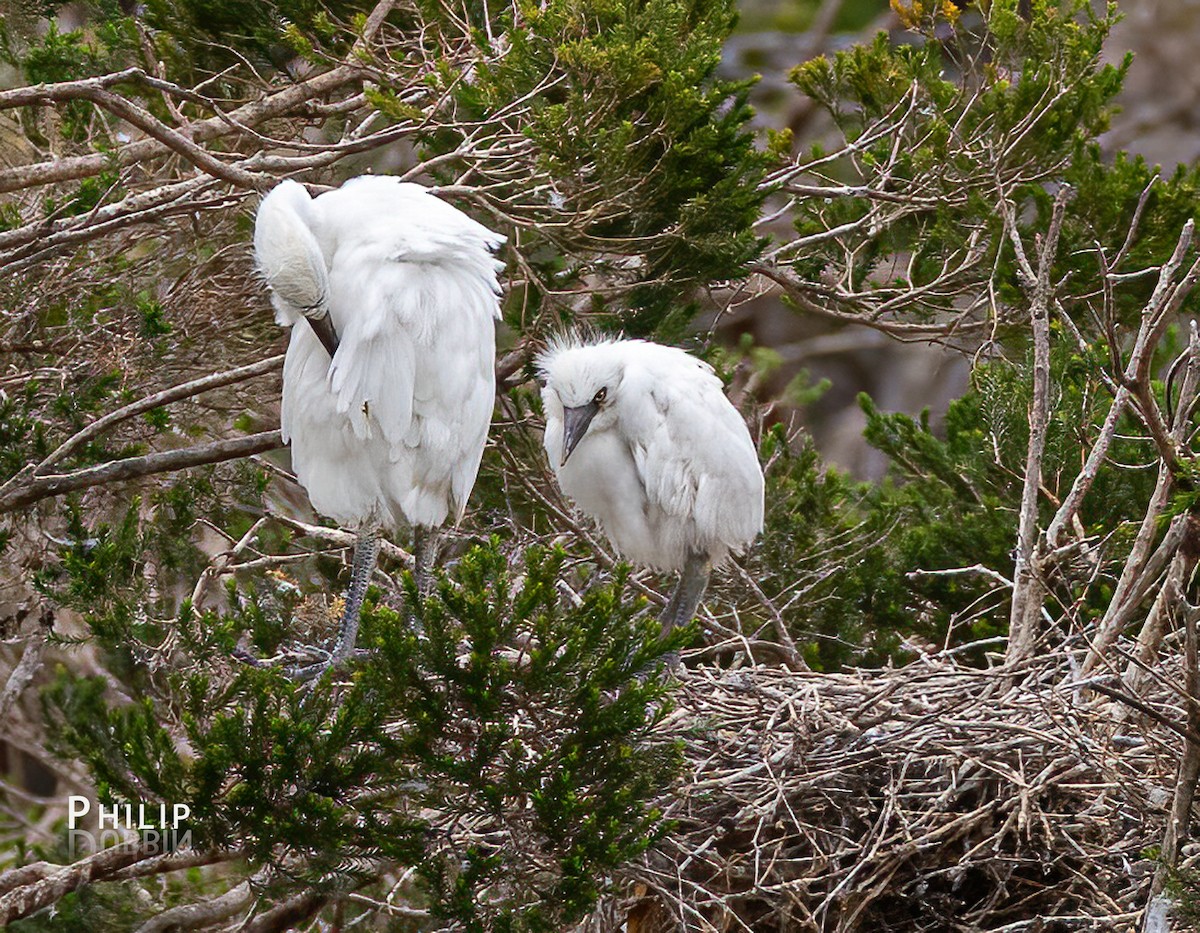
643, 439
389, 385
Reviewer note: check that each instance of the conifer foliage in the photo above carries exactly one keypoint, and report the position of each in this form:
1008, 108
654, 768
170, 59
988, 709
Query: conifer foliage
504, 755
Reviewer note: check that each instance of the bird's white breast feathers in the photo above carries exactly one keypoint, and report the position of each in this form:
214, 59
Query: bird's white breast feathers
393, 428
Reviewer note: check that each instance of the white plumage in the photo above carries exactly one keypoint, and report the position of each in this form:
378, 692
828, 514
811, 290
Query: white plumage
643, 439
391, 430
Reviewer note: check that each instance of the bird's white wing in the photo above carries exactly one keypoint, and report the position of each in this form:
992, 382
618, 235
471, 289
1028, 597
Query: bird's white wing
373, 373
405, 222
287, 253
407, 271
694, 453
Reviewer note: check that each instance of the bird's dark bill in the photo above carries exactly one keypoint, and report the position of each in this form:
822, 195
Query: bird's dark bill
323, 328
575, 425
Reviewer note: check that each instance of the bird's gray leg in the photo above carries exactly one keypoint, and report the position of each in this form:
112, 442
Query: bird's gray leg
366, 552
681, 608
425, 541
672, 608
693, 581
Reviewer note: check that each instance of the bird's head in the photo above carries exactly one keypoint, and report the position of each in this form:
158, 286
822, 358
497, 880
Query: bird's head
581, 388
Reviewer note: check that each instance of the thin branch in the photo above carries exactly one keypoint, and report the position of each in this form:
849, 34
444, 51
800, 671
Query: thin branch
1162, 615
1179, 821
1066, 512
43, 487
27, 667
1027, 585
1137, 574
287, 914
175, 141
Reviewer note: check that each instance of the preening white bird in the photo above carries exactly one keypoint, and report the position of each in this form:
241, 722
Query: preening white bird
643, 439
388, 384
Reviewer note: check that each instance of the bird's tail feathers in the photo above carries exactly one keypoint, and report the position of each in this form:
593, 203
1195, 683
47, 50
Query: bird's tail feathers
288, 255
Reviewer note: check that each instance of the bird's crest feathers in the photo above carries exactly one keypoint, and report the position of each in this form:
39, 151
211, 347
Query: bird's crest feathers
572, 338
574, 360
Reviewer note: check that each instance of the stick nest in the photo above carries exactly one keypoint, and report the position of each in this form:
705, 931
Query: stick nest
933, 797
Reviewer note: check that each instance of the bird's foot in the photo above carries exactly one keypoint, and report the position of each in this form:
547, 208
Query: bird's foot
672, 664
294, 667
313, 671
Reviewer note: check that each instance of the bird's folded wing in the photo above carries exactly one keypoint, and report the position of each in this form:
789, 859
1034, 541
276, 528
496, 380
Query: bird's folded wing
416, 358
695, 457
373, 373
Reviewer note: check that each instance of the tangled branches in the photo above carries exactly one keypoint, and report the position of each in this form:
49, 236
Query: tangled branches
932, 797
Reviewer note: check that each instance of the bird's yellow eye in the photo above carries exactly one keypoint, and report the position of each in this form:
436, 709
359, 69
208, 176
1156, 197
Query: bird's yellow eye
601, 395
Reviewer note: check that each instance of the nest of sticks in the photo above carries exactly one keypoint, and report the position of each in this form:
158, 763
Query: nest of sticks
931, 797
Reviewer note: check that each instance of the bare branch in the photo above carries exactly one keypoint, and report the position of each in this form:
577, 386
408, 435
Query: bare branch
1137, 574
31, 490
66, 90
27, 667
286, 915
1180, 819
1027, 585
201, 914
31, 897
199, 156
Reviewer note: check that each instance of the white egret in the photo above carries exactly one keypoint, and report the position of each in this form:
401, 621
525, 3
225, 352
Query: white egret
388, 390
643, 439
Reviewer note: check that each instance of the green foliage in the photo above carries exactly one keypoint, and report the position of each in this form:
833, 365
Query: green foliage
1029, 58
637, 133
191, 36
98, 566
1183, 885
65, 56
40, 413
1106, 195
207, 35
510, 707
847, 549
36, 412
860, 553
88, 195
101, 567
22, 434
